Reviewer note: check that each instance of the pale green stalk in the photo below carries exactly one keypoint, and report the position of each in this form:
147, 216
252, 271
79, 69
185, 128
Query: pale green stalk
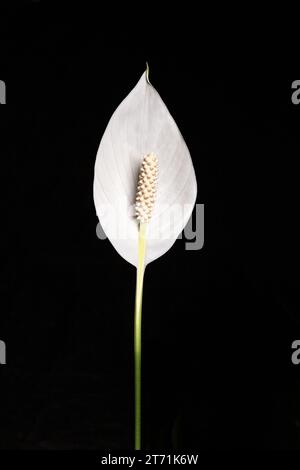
138, 333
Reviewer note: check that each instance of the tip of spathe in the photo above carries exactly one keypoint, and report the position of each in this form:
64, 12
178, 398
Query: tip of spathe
147, 72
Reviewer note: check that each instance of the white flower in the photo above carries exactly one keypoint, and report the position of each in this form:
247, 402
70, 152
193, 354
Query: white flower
140, 126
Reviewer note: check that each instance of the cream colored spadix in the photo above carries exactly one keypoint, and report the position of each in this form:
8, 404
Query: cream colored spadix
146, 189
142, 126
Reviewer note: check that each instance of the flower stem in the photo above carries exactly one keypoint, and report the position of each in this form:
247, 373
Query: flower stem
138, 333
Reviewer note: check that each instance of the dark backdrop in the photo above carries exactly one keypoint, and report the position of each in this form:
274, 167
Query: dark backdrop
218, 323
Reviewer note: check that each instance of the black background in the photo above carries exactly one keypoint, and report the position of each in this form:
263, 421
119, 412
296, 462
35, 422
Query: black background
218, 323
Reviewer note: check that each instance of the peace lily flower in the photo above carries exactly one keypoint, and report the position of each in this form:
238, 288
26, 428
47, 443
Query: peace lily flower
144, 192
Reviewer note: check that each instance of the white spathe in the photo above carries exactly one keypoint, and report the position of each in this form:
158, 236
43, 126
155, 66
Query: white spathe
140, 125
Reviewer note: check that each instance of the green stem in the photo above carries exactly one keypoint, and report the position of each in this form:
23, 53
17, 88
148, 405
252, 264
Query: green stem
138, 333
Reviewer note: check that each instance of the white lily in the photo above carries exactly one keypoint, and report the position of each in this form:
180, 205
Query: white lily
144, 191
